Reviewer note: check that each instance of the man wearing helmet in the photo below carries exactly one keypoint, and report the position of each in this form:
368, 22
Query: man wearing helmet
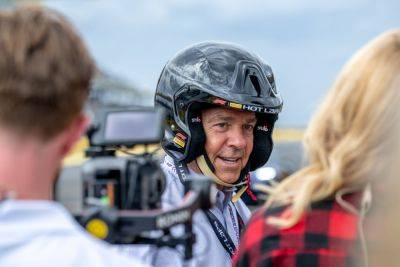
221, 107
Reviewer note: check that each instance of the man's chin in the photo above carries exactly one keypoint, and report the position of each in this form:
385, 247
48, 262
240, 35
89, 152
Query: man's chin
229, 177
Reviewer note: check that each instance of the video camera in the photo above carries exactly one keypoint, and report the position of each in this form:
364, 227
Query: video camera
121, 195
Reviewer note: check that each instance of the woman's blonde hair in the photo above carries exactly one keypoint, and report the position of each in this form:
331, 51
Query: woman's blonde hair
350, 132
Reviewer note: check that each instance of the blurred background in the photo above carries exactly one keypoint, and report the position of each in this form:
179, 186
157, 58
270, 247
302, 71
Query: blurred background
306, 42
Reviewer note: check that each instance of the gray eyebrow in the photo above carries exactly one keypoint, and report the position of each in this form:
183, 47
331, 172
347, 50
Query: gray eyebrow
228, 118
252, 120
220, 117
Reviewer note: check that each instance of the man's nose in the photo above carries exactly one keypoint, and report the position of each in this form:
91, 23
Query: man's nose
237, 138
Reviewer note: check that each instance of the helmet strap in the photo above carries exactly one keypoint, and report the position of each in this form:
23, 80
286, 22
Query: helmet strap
208, 162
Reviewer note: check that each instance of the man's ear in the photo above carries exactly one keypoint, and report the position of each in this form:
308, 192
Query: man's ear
74, 132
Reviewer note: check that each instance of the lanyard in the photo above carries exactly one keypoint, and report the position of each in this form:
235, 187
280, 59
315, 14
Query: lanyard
236, 228
216, 225
221, 233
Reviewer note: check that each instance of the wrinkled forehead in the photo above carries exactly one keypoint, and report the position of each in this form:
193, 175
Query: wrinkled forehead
217, 113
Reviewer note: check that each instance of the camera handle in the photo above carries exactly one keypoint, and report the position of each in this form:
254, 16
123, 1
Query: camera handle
127, 226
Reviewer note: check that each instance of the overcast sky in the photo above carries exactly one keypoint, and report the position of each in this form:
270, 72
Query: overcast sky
306, 42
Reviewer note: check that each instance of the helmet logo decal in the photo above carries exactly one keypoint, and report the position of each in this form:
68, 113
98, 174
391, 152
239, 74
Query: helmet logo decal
259, 109
180, 139
263, 128
252, 108
196, 119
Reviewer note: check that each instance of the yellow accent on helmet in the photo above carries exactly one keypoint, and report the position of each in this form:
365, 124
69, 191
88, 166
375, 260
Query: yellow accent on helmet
235, 105
179, 141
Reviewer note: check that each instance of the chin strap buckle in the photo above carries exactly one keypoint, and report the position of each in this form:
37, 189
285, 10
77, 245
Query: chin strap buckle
246, 189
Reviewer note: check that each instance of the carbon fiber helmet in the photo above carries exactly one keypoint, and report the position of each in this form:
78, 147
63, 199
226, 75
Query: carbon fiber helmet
222, 74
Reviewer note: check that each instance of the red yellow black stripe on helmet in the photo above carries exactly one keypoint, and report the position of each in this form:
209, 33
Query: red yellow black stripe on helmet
180, 140
252, 108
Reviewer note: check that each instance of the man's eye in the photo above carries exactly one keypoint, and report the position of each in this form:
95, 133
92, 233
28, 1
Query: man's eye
249, 127
222, 125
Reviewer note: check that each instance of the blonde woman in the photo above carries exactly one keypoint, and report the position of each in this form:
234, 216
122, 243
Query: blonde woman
315, 217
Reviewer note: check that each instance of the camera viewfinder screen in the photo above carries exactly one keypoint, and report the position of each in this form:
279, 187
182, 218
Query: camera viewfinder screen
132, 127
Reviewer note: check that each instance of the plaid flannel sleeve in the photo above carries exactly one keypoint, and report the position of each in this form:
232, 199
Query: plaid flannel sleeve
325, 237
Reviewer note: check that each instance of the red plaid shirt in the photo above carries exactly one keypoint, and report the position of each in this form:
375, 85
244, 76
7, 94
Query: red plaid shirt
327, 235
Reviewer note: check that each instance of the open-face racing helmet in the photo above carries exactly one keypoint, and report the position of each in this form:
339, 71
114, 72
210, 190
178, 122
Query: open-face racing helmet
219, 74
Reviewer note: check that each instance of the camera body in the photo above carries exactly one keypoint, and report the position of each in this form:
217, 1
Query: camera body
120, 196
125, 183
133, 182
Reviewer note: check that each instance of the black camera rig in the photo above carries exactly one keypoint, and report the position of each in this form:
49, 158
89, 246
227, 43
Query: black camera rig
122, 195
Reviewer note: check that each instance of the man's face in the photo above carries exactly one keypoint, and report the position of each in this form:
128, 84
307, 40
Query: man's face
229, 140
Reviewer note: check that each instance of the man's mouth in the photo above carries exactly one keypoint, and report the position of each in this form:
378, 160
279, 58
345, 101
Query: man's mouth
230, 160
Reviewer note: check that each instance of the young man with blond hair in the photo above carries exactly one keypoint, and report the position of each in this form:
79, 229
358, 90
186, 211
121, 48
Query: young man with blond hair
45, 73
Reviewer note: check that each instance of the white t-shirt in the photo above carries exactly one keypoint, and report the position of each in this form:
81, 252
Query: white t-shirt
43, 233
